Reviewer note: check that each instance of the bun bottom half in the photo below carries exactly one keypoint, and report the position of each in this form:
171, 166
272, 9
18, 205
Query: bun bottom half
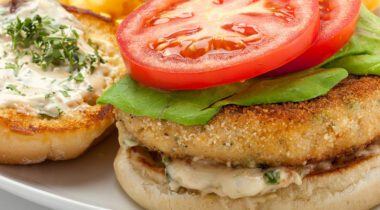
356, 187
29, 139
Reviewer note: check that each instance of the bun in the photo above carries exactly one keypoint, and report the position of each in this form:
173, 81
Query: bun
356, 187
27, 139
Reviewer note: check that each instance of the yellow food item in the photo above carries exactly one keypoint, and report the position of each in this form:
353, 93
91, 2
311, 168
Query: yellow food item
116, 8
119, 8
372, 4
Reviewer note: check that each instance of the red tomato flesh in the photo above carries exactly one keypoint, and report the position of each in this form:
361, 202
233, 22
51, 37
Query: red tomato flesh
194, 44
338, 23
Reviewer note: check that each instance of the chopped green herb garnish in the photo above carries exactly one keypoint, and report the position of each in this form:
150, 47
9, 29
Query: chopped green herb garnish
79, 77
51, 115
166, 160
65, 93
13, 66
272, 177
96, 58
50, 44
90, 88
49, 95
67, 88
14, 89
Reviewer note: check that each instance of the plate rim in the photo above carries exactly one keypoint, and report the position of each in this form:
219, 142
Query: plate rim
42, 197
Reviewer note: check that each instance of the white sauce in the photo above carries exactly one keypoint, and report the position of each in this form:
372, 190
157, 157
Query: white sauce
35, 83
225, 181
206, 177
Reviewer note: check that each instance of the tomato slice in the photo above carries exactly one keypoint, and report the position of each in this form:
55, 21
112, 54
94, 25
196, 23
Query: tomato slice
338, 23
193, 44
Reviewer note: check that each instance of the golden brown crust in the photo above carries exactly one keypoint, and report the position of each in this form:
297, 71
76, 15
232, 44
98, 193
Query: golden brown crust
30, 143
27, 139
31, 125
354, 187
344, 120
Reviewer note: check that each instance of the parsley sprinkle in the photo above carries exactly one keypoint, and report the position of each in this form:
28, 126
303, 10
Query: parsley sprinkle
65, 93
50, 44
90, 88
67, 88
14, 89
166, 160
51, 115
272, 177
79, 77
13, 66
49, 95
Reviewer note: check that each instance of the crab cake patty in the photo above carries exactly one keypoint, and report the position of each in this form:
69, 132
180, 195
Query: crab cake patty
343, 121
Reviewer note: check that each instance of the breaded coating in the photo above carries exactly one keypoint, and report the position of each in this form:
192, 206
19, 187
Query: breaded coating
290, 134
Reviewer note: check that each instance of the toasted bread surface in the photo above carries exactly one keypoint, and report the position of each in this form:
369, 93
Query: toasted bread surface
27, 139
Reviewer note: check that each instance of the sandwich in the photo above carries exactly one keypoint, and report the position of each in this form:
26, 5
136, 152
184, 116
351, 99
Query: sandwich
55, 62
249, 105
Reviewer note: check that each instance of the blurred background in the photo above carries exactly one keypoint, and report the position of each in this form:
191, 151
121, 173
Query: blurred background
371, 4
118, 9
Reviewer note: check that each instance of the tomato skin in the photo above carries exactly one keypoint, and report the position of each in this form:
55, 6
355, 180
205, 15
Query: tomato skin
327, 44
157, 78
163, 77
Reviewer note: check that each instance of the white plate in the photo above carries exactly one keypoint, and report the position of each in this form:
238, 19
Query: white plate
86, 183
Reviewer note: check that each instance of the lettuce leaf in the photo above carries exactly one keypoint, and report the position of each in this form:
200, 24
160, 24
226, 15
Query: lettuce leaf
360, 57
184, 107
198, 107
297, 87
